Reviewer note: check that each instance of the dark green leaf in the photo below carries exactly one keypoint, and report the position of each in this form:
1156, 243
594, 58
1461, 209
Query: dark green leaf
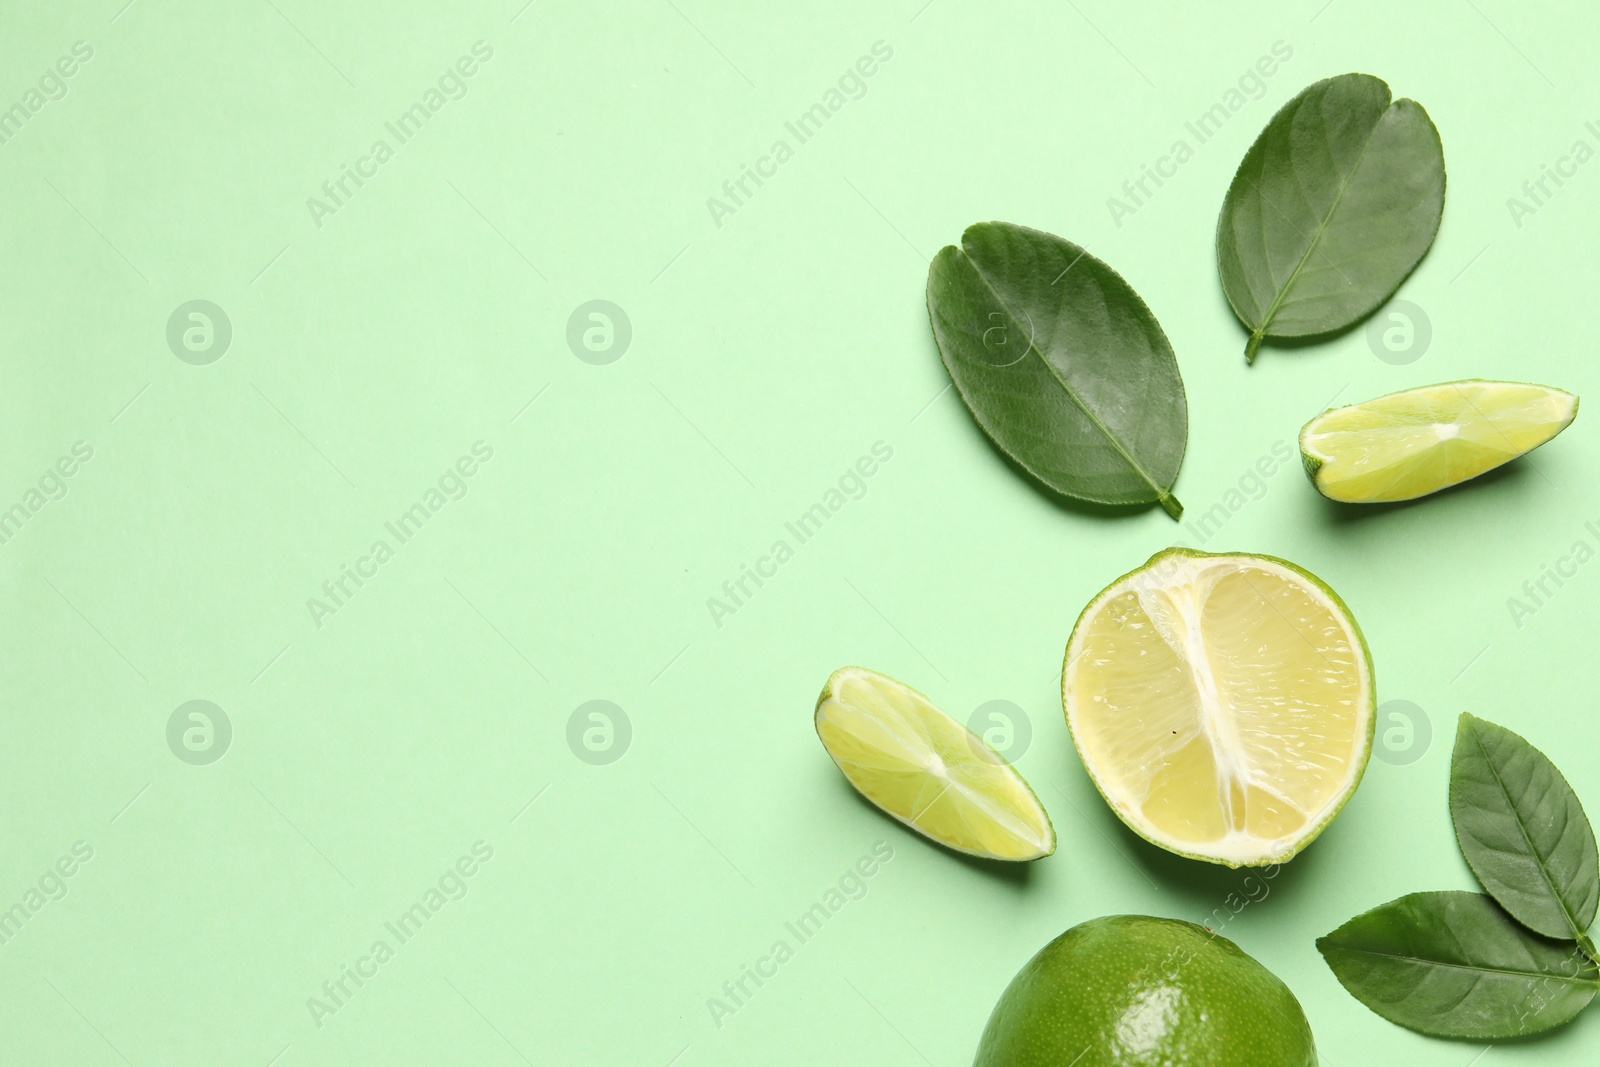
1061, 363
1333, 206
1456, 965
1523, 830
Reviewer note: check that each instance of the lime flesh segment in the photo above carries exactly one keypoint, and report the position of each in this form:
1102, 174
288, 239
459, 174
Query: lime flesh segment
1222, 704
1410, 444
927, 770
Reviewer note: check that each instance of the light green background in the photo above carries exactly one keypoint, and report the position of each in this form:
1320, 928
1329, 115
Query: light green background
768, 354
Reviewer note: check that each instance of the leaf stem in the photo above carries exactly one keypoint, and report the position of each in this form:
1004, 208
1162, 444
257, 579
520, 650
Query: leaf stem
1251, 346
1588, 948
1169, 503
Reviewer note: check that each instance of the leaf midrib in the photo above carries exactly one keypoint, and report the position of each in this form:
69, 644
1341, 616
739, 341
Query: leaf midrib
1475, 968
1316, 238
1516, 817
1081, 404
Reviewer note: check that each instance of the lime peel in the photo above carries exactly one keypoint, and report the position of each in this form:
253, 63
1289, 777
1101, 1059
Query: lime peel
1138, 990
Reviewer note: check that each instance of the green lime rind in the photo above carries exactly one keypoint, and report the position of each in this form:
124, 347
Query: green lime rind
972, 739
1314, 462
1372, 695
1128, 990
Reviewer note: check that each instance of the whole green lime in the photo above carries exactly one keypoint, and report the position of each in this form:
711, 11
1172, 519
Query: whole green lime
1133, 991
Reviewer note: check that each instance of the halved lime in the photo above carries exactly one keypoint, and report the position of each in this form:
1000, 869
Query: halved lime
927, 770
1410, 444
1222, 704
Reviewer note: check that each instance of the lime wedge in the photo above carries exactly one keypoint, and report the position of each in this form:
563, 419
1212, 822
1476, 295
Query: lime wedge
927, 770
1410, 444
1222, 704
